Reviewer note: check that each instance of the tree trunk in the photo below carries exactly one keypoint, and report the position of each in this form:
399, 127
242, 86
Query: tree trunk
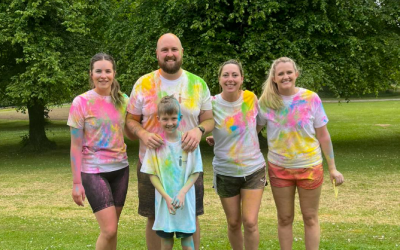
37, 139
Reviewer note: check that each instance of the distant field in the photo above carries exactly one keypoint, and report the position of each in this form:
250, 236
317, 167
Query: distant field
37, 212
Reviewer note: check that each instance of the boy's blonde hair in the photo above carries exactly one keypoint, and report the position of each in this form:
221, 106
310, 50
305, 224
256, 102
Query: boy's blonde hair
168, 105
270, 97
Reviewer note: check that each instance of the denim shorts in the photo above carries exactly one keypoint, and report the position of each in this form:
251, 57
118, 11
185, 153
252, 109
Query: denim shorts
228, 186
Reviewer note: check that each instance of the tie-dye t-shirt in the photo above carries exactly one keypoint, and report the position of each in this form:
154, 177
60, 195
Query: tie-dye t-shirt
291, 130
173, 166
237, 150
103, 147
190, 90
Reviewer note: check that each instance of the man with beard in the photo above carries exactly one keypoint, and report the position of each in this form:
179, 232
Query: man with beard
197, 119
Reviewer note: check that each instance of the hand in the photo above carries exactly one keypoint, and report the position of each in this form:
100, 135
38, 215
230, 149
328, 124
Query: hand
339, 179
78, 194
152, 140
171, 207
191, 139
179, 200
210, 140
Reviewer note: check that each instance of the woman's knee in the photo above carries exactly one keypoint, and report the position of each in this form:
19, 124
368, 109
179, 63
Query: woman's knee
310, 219
234, 224
250, 225
285, 220
109, 232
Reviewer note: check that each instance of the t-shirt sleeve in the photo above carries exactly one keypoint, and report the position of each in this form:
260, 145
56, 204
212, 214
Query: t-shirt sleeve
206, 98
194, 159
135, 102
76, 116
320, 116
261, 120
149, 162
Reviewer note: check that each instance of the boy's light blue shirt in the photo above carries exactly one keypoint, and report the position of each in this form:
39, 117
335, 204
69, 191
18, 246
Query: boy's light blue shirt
173, 166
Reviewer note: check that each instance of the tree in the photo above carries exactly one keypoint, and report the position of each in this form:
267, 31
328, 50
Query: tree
349, 46
46, 46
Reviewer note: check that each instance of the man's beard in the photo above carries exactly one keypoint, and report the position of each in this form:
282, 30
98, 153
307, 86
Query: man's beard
170, 69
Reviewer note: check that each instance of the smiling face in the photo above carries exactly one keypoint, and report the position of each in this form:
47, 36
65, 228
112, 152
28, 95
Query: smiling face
169, 53
285, 77
230, 79
169, 123
102, 75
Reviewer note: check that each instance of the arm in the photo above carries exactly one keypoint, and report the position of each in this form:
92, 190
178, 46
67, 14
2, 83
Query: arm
132, 124
179, 199
259, 128
129, 134
191, 139
324, 139
157, 184
78, 192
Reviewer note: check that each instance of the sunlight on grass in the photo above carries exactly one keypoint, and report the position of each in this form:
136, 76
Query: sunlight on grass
37, 212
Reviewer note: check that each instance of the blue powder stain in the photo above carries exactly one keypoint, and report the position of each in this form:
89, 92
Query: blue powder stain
233, 128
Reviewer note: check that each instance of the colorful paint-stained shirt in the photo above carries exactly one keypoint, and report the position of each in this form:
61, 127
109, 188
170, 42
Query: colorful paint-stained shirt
103, 147
291, 130
237, 150
173, 166
190, 90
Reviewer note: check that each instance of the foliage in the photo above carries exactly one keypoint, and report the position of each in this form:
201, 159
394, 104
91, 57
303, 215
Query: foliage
46, 46
351, 47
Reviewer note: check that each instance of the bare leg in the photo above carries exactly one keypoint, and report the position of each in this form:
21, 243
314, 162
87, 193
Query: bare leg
153, 241
251, 201
166, 244
232, 210
108, 222
187, 243
284, 201
196, 235
309, 203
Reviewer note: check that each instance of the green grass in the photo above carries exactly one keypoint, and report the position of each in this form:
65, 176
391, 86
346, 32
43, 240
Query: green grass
37, 212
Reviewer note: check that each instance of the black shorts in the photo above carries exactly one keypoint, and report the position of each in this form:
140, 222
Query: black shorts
106, 189
228, 186
166, 235
146, 193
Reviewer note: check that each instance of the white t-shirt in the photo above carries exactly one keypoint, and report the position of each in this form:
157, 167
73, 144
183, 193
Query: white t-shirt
190, 89
291, 130
237, 150
173, 166
103, 147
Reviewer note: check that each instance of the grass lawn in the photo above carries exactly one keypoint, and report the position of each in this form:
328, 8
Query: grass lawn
37, 211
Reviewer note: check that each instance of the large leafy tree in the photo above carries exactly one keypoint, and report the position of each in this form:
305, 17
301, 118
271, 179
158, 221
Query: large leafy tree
45, 51
349, 46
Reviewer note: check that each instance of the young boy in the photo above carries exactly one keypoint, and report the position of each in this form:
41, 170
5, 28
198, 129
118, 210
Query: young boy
173, 173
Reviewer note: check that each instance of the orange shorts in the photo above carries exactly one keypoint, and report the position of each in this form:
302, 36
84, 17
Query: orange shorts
307, 178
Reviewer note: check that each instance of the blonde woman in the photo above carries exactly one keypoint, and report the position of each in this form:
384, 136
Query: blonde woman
297, 132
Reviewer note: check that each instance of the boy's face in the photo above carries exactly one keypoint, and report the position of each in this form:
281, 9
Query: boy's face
169, 123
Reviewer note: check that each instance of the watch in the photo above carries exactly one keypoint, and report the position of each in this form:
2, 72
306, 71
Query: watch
202, 129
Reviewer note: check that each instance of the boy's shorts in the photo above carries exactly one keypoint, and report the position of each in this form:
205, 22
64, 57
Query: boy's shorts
179, 235
146, 192
228, 186
106, 189
306, 178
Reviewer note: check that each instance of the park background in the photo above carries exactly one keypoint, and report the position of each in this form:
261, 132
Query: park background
347, 50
